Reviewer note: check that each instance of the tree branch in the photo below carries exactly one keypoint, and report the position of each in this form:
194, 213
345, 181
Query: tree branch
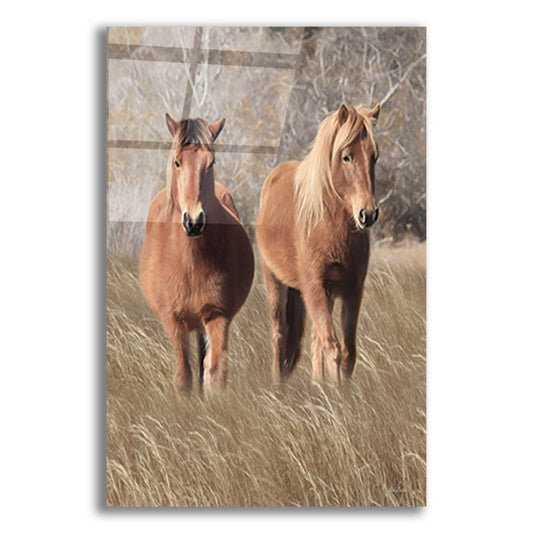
395, 87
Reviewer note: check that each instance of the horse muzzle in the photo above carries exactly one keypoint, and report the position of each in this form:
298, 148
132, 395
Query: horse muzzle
366, 218
193, 228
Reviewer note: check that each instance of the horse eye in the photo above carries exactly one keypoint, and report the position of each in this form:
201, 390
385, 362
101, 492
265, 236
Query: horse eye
346, 158
177, 164
211, 164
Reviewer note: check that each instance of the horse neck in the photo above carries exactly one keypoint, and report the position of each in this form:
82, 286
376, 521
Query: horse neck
336, 213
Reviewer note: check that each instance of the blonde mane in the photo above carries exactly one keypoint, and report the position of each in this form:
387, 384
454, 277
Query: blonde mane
190, 131
313, 178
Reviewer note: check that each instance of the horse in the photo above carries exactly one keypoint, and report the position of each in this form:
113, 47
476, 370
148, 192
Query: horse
196, 264
312, 235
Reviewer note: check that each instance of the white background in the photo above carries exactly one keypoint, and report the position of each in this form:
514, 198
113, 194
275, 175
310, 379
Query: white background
479, 261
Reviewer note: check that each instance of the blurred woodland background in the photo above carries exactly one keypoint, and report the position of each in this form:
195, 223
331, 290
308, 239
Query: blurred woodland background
274, 86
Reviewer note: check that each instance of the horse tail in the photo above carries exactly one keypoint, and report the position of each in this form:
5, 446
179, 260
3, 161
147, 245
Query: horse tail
295, 315
202, 349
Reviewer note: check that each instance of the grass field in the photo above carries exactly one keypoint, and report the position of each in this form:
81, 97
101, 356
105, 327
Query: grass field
303, 445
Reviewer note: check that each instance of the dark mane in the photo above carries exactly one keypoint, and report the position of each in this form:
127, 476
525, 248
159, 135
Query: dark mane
193, 131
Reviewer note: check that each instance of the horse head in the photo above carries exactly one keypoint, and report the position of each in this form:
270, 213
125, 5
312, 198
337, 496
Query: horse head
190, 175
354, 159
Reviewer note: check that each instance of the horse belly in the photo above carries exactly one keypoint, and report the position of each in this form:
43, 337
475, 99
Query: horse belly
280, 258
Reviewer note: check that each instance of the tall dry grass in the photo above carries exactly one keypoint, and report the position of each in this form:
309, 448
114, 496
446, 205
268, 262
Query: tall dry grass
253, 446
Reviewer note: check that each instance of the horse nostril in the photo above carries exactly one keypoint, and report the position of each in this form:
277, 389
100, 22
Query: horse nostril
200, 221
198, 225
362, 216
376, 214
187, 222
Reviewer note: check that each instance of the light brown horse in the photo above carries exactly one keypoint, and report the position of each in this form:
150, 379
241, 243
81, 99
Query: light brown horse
312, 234
197, 263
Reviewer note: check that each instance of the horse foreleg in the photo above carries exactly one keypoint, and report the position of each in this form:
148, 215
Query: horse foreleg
350, 312
326, 355
277, 302
216, 360
179, 336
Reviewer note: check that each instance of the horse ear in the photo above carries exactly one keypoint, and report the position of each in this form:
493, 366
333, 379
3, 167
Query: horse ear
216, 128
374, 113
342, 114
172, 125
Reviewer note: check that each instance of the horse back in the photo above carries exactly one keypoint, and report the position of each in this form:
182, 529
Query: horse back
276, 233
225, 198
158, 208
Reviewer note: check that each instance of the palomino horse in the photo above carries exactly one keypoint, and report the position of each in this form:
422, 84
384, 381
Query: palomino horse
197, 262
311, 232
